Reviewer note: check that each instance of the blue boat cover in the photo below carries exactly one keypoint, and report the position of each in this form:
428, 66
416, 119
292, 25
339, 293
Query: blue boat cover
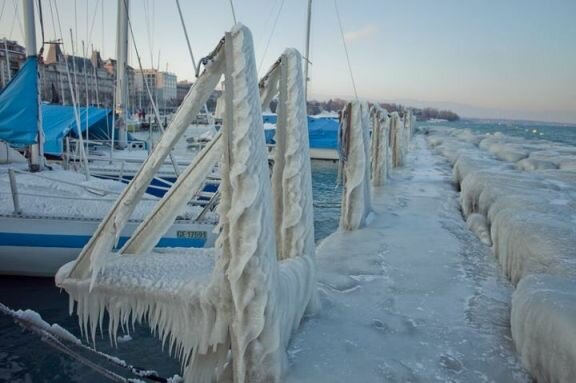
19, 106
59, 120
322, 131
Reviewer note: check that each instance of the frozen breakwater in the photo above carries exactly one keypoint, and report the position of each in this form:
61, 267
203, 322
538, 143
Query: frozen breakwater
520, 197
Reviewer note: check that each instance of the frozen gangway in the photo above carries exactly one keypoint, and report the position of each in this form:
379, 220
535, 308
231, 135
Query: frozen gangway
227, 313
412, 297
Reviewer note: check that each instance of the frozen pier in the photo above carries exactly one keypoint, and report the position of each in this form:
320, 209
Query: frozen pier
412, 297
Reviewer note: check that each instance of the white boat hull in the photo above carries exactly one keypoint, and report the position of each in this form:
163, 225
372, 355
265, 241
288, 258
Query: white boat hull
38, 246
324, 154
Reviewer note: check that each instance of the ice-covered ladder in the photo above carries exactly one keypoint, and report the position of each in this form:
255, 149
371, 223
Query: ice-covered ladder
265, 251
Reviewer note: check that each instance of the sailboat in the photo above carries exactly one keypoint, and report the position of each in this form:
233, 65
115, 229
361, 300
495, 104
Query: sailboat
46, 217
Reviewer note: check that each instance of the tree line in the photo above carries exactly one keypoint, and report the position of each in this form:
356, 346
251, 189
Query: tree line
421, 114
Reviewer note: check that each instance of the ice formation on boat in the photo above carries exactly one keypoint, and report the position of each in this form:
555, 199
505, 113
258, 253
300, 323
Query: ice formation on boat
520, 196
247, 295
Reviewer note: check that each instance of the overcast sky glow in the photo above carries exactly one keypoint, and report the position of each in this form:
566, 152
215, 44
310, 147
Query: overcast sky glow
481, 58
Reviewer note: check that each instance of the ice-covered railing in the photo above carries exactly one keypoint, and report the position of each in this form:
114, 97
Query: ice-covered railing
380, 150
354, 165
249, 294
397, 139
520, 196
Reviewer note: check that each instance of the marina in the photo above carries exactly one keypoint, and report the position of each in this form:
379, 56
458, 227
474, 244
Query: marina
244, 232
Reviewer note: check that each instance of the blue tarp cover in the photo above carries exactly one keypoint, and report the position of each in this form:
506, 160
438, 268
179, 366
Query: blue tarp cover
59, 120
322, 131
19, 106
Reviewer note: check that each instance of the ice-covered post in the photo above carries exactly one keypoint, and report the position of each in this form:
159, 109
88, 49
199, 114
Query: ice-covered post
396, 139
355, 166
380, 132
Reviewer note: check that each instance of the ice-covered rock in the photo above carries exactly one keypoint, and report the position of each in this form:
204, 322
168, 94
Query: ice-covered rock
544, 326
521, 196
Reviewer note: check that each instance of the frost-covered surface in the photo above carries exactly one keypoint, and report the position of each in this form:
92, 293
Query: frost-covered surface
241, 298
355, 166
42, 194
544, 326
412, 297
380, 149
9, 155
32, 317
520, 195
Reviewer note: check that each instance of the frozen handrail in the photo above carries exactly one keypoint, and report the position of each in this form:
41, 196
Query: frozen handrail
243, 304
380, 133
355, 166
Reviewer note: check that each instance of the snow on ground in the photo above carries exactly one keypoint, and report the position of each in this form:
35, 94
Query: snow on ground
413, 297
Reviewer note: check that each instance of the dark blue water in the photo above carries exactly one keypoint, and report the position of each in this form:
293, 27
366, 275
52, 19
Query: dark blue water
565, 133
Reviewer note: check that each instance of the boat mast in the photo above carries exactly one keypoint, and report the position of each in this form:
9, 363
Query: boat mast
121, 78
307, 58
36, 162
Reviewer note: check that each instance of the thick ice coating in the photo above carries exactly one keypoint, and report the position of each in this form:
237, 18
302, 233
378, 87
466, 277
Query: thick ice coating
243, 296
520, 195
355, 166
380, 135
543, 326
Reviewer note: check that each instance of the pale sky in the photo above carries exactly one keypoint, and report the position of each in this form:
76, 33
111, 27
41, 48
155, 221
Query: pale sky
480, 58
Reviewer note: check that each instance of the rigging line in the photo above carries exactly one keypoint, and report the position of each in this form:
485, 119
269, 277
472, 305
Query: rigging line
2, 9
89, 40
154, 106
189, 47
147, 18
75, 47
41, 23
268, 19
186, 35
19, 20
72, 97
270, 37
15, 20
53, 22
54, 338
102, 31
89, 37
345, 49
233, 12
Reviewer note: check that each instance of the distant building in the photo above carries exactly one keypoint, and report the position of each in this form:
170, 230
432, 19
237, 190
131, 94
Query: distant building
12, 56
161, 84
92, 79
182, 89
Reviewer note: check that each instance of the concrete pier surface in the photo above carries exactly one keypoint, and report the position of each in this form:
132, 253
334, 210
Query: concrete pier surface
412, 297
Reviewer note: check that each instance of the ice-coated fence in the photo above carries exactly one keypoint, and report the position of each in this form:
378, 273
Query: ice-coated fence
248, 294
361, 163
354, 166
